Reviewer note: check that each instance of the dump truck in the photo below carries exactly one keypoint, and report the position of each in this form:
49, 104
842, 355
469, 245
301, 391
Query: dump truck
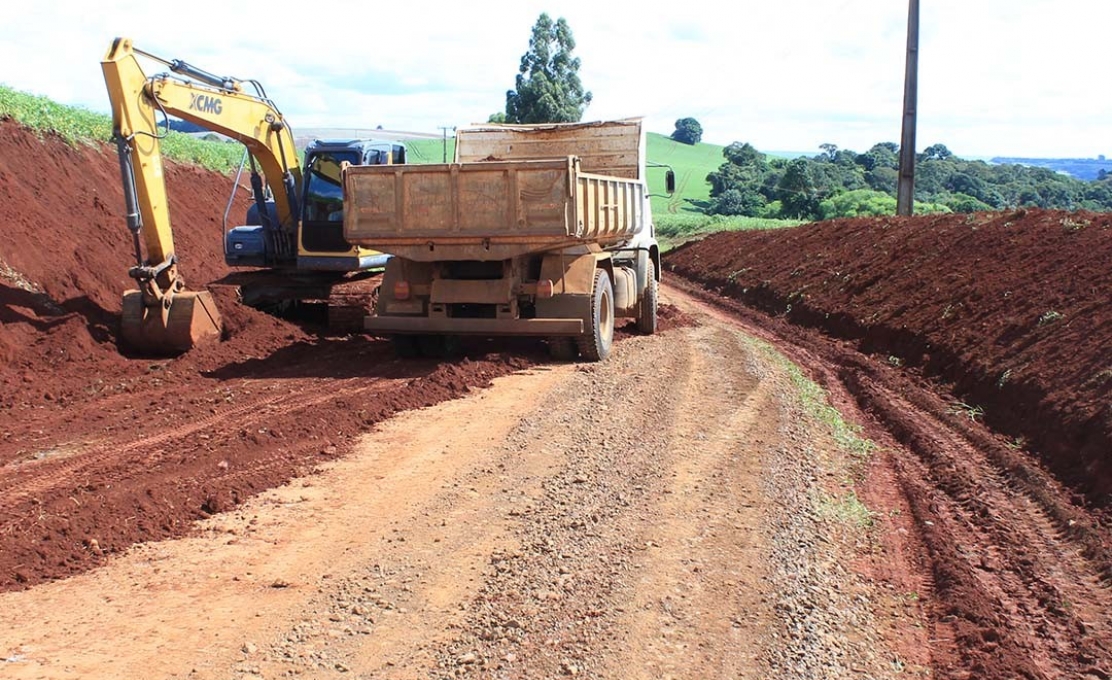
538, 230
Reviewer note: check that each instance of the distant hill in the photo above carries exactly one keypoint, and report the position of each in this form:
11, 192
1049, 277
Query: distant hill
1087, 169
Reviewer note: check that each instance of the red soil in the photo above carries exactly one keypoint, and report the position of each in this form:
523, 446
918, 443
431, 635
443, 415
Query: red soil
99, 451
1011, 311
911, 323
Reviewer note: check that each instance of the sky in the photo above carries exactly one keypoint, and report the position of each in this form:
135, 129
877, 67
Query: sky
997, 77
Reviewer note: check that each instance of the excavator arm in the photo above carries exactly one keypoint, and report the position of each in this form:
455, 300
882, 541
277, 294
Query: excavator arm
162, 316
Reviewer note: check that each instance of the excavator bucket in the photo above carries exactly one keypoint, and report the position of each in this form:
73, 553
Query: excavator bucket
191, 320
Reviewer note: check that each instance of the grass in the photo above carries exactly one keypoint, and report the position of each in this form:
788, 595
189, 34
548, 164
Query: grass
80, 126
845, 506
691, 163
675, 230
847, 509
970, 411
815, 404
429, 150
1049, 317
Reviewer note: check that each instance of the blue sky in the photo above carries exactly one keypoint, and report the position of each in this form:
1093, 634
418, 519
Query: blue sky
998, 77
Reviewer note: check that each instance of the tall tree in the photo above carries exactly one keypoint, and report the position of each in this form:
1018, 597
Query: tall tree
548, 86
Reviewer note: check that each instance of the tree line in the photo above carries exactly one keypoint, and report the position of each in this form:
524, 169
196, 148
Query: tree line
843, 183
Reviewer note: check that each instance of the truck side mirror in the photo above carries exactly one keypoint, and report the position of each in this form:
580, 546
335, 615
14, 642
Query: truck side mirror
670, 182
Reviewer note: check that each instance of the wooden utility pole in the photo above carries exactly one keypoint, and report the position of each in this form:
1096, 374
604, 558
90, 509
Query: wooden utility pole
905, 192
444, 129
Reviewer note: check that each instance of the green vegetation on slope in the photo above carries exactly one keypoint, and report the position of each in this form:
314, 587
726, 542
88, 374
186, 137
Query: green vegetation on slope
429, 150
841, 183
675, 230
81, 126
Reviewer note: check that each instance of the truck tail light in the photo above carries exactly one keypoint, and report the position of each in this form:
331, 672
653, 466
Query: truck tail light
545, 288
401, 290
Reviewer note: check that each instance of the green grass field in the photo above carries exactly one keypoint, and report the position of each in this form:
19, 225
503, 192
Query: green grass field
81, 126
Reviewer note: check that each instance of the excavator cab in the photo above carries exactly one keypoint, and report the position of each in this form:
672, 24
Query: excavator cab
322, 245
321, 223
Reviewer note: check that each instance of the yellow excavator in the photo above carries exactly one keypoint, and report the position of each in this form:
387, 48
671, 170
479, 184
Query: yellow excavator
294, 227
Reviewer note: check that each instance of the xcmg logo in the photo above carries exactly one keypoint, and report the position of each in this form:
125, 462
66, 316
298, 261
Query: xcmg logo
206, 104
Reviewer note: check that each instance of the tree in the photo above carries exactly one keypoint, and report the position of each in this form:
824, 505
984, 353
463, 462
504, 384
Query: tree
688, 131
743, 154
937, 152
796, 190
548, 86
738, 202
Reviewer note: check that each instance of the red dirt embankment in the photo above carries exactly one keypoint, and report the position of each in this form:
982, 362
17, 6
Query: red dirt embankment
99, 451
1009, 310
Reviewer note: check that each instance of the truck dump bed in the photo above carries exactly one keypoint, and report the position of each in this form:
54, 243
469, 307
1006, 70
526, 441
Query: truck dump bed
513, 190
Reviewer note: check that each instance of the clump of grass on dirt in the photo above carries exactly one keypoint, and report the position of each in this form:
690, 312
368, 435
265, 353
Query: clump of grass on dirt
78, 125
846, 508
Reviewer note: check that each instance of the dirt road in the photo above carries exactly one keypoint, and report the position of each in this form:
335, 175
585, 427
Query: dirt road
674, 512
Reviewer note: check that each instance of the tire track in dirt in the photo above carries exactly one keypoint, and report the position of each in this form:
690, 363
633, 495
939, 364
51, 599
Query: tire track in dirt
1017, 573
84, 455
64, 515
1009, 552
37, 477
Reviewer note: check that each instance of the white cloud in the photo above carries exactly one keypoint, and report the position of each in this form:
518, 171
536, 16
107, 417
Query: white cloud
1018, 77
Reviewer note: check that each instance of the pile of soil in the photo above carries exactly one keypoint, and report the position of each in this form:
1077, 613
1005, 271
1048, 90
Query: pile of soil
1009, 311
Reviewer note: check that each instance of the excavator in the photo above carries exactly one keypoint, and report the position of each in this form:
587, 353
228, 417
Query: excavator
294, 227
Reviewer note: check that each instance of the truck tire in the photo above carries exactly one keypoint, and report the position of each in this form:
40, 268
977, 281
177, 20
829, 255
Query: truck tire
646, 315
594, 345
438, 346
405, 346
563, 349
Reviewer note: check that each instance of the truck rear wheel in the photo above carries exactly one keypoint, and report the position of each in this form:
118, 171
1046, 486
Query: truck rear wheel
438, 346
594, 345
405, 346
563, 349
646, 315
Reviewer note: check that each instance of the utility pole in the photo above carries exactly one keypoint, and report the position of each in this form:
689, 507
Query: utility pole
905, 192
444, 129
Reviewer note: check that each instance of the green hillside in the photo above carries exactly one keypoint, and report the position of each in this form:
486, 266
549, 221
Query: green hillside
81, 126
429, 150
691, 163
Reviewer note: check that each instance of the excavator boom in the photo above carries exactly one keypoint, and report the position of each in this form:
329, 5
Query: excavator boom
162, 316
